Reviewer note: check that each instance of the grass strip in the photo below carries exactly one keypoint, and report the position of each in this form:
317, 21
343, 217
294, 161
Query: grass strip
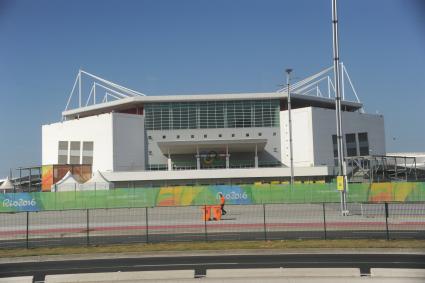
216, 245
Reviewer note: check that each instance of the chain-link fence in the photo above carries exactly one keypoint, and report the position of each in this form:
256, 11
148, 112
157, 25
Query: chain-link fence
196, 223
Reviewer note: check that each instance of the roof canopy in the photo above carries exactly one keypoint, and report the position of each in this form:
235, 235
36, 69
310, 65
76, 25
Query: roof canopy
315, 91
97, 182
67, 183
7, 185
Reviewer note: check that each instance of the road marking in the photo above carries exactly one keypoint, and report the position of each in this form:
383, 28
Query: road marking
186, 264
391, 232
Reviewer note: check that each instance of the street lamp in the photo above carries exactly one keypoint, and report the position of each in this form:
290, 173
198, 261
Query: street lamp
288, 78
337, 79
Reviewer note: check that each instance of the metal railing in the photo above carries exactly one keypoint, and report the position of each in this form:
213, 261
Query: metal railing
187, 223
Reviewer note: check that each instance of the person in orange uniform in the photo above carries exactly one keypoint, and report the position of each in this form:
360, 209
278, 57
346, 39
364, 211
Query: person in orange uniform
222, 201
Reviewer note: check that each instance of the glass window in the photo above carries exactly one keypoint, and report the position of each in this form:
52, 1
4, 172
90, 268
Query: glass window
335, 146
177, 117
192, 115
74, 157
363, 144
203, 116
212, 114
230, 114
165, 118
247, 115
351, 144
63, 152
87, 152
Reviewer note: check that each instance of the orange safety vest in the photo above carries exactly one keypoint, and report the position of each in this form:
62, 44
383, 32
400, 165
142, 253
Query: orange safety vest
222, 200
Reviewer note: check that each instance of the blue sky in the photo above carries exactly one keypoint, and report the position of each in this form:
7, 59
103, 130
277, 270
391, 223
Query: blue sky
177, 47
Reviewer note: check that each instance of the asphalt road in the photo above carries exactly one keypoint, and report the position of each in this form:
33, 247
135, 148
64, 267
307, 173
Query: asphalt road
243, 222
201, 263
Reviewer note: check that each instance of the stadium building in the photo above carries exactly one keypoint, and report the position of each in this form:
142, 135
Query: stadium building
208, 138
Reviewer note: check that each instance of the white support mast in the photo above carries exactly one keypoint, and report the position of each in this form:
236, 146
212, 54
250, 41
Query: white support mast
110, 89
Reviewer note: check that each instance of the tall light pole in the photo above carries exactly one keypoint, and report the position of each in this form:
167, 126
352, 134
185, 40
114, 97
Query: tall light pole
337, 80
291, 157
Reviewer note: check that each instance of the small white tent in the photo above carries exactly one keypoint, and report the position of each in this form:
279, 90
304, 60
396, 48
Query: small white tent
6, 186
66, 184
97, 182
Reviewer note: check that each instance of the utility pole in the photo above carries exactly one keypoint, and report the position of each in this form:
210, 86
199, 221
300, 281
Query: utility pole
337, 79
288, 78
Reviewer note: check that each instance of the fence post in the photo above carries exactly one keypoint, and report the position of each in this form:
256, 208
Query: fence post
386, 220
264, 222
324, 220
205, 223
147, 225
88, 227
27, 239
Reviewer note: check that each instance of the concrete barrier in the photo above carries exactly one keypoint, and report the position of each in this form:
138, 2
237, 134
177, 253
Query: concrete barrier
247, 273
283, 272
132, 276
21, 279
397, 272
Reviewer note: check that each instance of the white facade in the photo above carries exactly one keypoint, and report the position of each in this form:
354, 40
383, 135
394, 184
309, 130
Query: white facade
128, 142
312, 130
209, 136
276, 172
302, 137
118, 140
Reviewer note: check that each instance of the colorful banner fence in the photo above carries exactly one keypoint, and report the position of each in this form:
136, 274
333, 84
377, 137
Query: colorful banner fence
199, 195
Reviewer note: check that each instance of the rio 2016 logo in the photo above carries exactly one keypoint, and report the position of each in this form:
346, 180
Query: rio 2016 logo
19, 203
233, 195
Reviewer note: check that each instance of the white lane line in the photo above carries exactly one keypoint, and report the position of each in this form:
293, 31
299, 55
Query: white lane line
186, 264
391, 232
128, 266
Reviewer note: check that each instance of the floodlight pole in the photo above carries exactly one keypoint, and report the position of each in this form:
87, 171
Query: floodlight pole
288, 78
337, 79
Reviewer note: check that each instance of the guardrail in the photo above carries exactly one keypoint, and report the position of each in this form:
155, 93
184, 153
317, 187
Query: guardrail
187, 223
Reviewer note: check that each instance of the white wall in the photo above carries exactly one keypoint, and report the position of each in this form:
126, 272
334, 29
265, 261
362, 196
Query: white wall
94, 128
129, 142
312, 130
324, 126
118, 140
302, 137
